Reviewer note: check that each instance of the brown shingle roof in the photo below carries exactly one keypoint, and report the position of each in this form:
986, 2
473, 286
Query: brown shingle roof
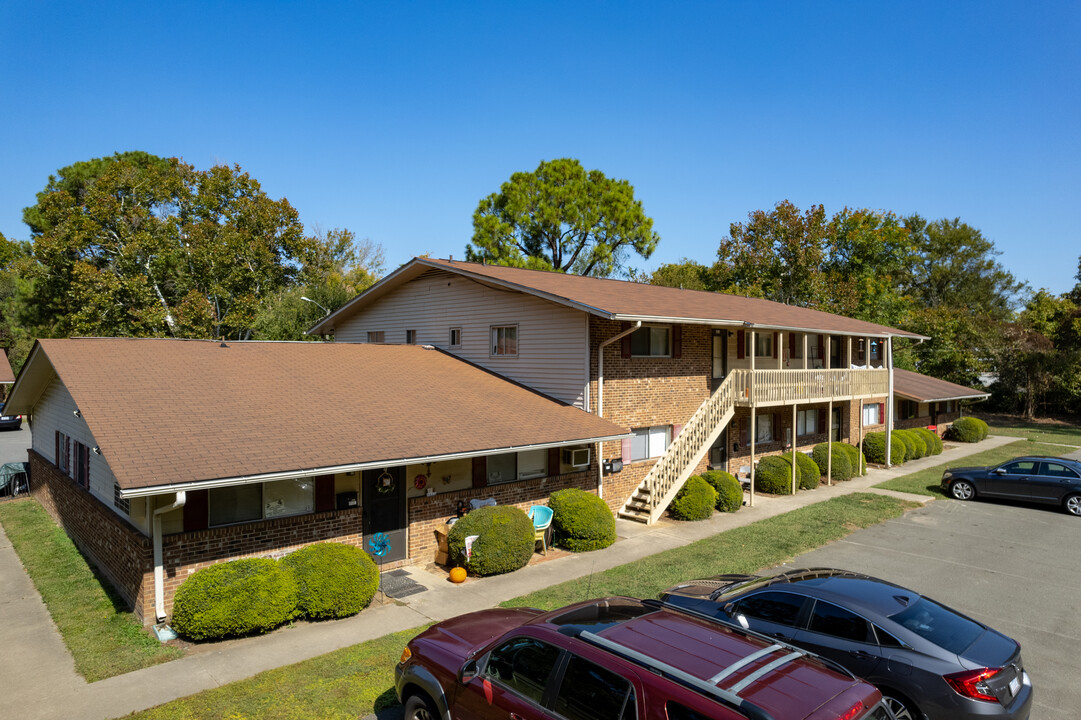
174, 411
6, 376
924, 388
623, 300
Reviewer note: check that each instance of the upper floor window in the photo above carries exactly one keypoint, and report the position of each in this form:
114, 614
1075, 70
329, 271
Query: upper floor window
410, 337
455, 337
377, 337
505, 340
120, 503
651, 341
763, 344
81, 470
63, 453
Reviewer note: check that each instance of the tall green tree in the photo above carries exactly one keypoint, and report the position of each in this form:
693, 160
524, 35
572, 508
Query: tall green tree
562, 217
137, 245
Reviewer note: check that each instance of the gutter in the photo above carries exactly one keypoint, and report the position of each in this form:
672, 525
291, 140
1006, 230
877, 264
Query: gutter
787, 328
600, 396
159, 572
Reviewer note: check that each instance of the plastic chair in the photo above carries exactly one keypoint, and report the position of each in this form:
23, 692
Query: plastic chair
541, 515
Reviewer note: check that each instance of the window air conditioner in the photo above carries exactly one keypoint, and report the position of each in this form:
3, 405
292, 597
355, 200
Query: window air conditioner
576, 457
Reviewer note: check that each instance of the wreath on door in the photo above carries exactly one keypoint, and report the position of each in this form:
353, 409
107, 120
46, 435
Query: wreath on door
385, 483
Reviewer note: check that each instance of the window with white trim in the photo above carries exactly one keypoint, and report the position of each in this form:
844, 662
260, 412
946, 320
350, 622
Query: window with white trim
455, 337
376, 336
524, 465
650, 442
651, 341
505, 340
763, 428
259, 501
806, 422
763, 344
870, 415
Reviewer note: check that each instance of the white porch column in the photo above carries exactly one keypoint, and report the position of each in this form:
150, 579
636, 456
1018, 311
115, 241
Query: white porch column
794, 449
829, 444
848, 354
888, 350
806, 361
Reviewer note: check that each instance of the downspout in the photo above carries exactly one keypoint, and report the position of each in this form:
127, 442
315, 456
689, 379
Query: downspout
159, 573
600, 396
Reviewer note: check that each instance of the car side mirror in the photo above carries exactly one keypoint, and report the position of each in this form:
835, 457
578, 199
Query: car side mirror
730, 611
1000, 471
468, 672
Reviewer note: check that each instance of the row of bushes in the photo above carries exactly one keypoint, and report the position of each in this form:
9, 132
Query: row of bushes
255, 595
967, 429
905, 445
702, 494
847, 462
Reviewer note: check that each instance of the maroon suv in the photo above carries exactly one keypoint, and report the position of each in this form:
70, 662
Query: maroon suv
618, 659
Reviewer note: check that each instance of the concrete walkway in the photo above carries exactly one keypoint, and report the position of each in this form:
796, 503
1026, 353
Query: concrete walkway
39, 679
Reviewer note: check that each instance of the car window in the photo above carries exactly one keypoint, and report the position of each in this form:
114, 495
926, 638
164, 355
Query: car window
675, 711
775, 607
590, 692
832, 620
523, 665
939, 625
1021, 467
885, 639
1055, 469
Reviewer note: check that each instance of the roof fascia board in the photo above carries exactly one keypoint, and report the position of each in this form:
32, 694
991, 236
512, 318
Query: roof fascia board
980, 396
756, 326
33, 378
353, 467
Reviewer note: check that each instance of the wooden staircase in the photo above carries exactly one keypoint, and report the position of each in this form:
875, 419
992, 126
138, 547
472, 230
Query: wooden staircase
687, 449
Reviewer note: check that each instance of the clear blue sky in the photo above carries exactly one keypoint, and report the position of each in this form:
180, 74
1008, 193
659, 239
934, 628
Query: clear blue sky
394, 119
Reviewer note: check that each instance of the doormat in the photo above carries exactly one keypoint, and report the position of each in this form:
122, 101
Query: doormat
398, 584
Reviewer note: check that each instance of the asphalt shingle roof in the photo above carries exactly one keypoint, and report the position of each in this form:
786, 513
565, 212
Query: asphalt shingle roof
924, 388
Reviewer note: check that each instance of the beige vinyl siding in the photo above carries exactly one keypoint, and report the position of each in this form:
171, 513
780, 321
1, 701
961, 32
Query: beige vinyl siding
551, 347
56, 411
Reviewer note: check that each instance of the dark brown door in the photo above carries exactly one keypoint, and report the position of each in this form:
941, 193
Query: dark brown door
384, 510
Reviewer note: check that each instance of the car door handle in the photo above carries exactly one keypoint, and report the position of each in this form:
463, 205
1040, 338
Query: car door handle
779, 636
861, 654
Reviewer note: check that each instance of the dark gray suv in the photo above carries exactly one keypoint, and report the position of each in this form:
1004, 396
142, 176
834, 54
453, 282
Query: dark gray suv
929, 661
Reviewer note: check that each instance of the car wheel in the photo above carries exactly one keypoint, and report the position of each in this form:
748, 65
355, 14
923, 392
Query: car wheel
900, 706
962, 490
420, 707
1073, 505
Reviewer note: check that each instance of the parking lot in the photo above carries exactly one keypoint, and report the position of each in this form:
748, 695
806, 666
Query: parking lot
1014, 568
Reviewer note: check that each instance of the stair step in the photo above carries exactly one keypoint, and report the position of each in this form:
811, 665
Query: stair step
637, 517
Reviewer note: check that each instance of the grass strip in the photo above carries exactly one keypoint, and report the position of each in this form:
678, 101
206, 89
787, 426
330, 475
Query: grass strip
745, 549
358, 680
926, 482
103, 637
1062, 434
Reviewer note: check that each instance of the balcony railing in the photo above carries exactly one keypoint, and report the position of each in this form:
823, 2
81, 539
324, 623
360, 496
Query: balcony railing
780, 387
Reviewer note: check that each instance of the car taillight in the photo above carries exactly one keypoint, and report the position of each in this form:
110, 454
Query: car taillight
852, 712
406, 654
973, 683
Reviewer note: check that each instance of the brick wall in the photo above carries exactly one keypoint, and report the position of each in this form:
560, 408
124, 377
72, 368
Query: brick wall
428, 513
783, 413
119, 551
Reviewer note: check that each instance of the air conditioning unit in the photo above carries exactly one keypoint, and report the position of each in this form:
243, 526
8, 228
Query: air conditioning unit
576, 457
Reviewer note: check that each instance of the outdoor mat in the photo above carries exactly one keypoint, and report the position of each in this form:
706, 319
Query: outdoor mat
398, 584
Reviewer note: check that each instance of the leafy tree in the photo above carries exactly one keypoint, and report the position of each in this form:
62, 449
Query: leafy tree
139, 245
686, 274
561, 217
14, 338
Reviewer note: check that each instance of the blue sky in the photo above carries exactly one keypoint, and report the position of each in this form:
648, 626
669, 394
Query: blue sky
395, 119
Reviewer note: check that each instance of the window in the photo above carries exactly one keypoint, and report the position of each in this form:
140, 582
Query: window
1054, 469
774, 607
505, 340
1022, 467
650, 442
235, 504
907, 409
532, 464
806, 422
288, 497
840, 623
871, 415
814, 351
410, 337
651, 341
121, 504
524, 465
763, 429
63, 453
522, 665
456, 337
81, 470
763, 344
939, 625
376, 337
885, 639
590, 692
795, 344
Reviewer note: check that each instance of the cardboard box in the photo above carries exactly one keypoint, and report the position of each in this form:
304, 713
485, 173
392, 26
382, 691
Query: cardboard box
441, 557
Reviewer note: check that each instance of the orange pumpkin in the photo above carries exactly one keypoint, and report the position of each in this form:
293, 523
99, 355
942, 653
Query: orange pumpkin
457, 574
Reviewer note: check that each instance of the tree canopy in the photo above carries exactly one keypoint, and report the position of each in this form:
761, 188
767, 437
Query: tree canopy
562, 217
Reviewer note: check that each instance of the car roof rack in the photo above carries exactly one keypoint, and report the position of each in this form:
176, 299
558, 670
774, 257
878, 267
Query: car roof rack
729, 696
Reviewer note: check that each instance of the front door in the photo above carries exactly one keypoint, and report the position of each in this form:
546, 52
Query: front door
720, 358
384, 510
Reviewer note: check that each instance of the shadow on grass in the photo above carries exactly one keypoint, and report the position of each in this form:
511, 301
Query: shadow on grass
386, 706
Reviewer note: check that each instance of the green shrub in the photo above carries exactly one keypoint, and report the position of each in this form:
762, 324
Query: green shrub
807, 471
842, 465
333, 580
581, 521
729, 491
919, 442
874, 447
505, 539
901, 438
694, 501
856, 459
932, 440
967, 429
773, 475
240, 597
984, 429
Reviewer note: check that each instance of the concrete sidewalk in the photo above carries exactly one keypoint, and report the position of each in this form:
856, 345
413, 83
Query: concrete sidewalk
39, 679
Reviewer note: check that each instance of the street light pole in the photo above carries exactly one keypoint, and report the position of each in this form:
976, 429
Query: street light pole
307, 299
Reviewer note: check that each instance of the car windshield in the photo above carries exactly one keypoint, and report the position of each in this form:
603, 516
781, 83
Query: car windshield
935, 623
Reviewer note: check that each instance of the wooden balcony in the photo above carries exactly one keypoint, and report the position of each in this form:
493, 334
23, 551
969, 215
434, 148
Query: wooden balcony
796, 387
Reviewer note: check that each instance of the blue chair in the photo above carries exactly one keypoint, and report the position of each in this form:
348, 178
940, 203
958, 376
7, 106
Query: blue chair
541, 515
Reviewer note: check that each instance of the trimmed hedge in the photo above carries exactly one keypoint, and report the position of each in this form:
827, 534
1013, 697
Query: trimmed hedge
967, 429
874, 447
932, 440
729, 491
773, 475
581, 521
505, 539
857, 459
240, 597
807, 472
911, 451
842, 464
921, 445
694, 501
333, 580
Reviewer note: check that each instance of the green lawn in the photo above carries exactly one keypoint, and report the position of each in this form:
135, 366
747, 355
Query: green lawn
358, 680
1040, 432
926, 482
102, 636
